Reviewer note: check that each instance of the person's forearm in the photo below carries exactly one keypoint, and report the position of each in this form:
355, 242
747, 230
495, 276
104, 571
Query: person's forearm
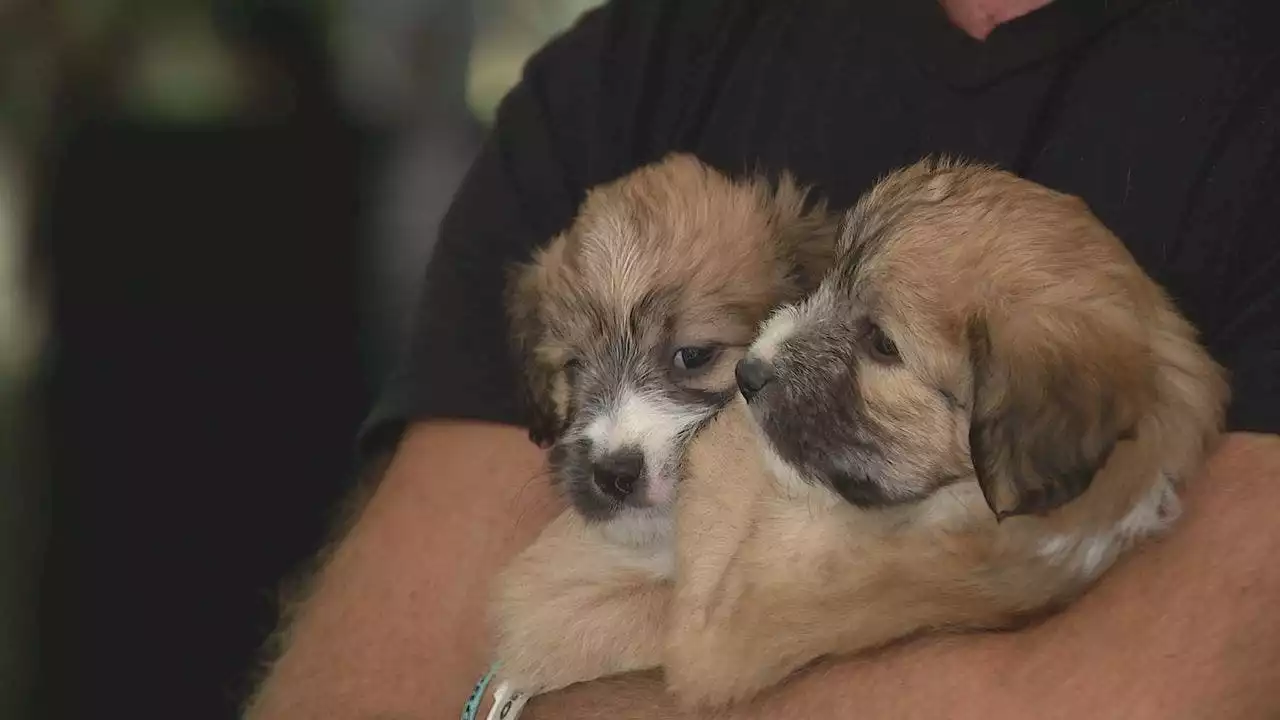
935, 678
1185, 628
395, 626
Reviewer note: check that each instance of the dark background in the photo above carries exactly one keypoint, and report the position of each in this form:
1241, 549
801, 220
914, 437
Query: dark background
220, 212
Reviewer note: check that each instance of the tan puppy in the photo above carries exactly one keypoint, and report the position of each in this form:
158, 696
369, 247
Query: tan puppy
984, 404
629, 326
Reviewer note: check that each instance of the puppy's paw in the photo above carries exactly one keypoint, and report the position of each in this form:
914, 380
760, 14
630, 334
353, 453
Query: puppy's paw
530, 672
707, 672
573, 608
545, 642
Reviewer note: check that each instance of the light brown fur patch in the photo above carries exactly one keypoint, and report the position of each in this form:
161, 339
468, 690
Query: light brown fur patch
724, 252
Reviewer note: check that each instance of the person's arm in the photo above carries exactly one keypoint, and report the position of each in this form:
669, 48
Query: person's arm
1185, 628
395, 623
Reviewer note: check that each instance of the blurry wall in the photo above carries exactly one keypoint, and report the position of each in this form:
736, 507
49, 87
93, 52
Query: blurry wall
23, 516
402, 70
197, 220
213, 218
429, 74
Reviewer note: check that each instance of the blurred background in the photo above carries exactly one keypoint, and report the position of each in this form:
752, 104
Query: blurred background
213, 218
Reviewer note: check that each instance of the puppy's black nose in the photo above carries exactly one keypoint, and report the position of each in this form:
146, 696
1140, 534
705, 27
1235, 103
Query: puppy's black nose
618, 474
752, 374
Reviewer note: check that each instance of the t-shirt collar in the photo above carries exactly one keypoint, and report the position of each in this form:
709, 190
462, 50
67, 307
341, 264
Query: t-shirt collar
963, 61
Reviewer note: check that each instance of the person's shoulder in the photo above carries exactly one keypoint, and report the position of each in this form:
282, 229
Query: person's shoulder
625, 46
623, 24
624, 79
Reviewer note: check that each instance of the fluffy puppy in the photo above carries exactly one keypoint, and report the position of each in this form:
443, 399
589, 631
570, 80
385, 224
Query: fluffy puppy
628, 327
985, 403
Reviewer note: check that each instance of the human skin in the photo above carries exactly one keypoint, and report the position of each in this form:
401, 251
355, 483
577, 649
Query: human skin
1184, 628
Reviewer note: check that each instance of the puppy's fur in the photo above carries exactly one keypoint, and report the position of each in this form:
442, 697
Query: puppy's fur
984, 404
629, 326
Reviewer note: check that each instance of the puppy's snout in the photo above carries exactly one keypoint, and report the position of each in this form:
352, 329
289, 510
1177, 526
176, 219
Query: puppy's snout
753, 374
618, 474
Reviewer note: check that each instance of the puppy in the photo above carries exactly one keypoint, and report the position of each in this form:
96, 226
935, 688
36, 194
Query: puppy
628, 327
985, 404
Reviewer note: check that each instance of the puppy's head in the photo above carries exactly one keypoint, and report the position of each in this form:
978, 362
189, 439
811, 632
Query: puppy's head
975, 325
628, 325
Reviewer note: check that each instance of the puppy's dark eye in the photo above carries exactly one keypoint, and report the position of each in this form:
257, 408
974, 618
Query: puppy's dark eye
882, 347
572, 365
693, 358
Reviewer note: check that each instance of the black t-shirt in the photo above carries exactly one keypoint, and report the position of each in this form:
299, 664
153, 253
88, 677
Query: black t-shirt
1163, 115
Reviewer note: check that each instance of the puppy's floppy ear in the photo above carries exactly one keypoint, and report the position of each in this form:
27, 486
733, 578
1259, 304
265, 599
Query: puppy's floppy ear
524, 293
806, 232
1052, 395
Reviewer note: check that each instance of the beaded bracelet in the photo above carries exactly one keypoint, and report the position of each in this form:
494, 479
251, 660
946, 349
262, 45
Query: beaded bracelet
507, 702
473, 703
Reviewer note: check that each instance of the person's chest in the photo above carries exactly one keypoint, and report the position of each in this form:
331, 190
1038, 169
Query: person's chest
1127, 123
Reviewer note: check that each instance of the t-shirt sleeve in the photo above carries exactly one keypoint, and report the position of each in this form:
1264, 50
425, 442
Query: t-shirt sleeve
1233, 246
1246, 336
571, 122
